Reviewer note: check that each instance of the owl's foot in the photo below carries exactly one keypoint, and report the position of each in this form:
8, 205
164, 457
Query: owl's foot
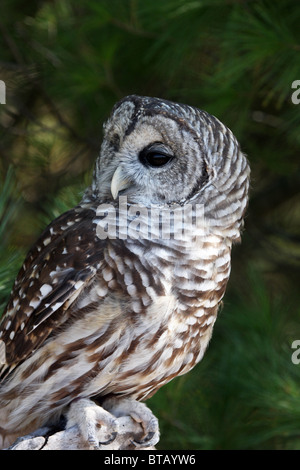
140, 413
89, 417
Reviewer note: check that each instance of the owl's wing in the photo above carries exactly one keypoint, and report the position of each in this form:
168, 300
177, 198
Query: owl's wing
56, 270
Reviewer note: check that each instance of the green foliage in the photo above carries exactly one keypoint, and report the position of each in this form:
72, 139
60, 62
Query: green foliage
65, 63
10, 256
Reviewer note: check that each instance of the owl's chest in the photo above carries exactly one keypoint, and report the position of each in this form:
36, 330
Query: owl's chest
194, 273
171, 335
167, 305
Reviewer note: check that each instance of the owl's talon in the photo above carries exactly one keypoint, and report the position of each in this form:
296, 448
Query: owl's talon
111, 439
140, 413
148, 441
88, 416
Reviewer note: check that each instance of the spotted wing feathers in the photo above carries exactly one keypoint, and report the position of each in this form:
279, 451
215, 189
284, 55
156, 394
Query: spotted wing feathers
55, 272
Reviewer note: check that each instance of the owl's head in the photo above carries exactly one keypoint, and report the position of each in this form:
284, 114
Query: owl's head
158, 152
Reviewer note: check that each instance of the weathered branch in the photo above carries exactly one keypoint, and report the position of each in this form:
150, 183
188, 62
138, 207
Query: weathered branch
70, 439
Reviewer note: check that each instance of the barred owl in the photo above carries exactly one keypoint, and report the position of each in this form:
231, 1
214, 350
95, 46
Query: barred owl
108, 306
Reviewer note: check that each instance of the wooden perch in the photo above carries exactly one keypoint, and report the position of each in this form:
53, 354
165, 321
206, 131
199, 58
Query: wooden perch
47, 438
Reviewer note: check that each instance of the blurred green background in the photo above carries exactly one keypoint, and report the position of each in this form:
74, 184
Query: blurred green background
65, 63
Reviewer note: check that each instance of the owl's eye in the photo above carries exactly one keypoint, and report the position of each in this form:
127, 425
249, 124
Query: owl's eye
155, 156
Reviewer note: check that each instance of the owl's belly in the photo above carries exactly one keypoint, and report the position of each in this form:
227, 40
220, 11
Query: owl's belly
141, 382
141, 364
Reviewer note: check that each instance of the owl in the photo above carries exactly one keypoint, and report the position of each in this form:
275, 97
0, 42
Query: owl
120, 294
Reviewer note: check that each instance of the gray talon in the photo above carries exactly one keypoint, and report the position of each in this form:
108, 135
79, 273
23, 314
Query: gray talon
146, 442
111, 439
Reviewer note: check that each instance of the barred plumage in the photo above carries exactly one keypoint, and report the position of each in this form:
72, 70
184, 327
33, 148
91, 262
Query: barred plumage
116, 300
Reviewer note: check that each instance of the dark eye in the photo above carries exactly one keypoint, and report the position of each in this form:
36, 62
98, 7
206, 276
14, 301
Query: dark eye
154, 157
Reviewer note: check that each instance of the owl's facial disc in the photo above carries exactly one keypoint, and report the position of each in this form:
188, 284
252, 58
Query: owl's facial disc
155, 155
152, 153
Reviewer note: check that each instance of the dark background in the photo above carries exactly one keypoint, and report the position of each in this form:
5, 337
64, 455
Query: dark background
65, 63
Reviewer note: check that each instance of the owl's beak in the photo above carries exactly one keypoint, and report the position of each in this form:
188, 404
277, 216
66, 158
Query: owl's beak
119, 182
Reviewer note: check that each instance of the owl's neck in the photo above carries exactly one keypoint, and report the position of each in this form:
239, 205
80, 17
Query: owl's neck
166, 225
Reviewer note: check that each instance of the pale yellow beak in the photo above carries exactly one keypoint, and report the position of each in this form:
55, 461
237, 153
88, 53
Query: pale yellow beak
119, 182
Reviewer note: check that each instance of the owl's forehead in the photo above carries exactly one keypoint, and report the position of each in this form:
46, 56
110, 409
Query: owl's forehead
133, 110
145, 105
